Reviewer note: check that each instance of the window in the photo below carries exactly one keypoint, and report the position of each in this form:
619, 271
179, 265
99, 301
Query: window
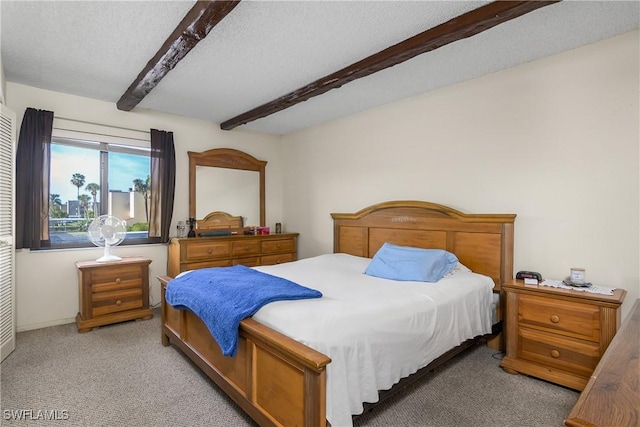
35, 171
89, 179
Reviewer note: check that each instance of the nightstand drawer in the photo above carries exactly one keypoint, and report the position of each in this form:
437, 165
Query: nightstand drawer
566, 354
207, 250
116, 284
113, 302
247, 247
276, 246
568, 318
110, 279
277, 259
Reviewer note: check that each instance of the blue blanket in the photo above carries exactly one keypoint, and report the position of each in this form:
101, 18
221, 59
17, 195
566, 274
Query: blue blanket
223, 296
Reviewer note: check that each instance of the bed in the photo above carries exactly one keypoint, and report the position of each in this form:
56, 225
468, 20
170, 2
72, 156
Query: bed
279, 380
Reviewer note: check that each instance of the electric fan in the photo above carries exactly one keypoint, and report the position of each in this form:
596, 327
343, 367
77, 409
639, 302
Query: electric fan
107, 231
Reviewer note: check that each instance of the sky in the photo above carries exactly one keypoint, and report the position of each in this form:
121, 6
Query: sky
66, 160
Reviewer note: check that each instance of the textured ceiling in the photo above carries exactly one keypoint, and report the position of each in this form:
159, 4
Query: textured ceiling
265, 49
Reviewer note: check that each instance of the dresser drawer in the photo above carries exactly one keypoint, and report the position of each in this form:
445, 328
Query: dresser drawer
115, 301
246, 247
207, 264
248, 262
567, 354
276, 246
569, 318
277, 259
206, 250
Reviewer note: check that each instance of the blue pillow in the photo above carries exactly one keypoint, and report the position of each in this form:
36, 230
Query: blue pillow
407, 263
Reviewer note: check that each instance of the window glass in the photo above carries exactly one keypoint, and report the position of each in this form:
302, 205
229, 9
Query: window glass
129, 185
89, 179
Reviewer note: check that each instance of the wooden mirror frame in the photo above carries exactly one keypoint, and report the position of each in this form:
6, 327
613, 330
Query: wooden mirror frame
226, 158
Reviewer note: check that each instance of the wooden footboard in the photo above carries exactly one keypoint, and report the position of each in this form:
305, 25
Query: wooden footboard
275, 379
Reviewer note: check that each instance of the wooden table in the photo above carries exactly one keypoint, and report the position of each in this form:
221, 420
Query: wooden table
612, 395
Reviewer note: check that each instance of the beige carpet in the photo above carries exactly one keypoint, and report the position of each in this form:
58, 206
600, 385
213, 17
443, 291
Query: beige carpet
120, 375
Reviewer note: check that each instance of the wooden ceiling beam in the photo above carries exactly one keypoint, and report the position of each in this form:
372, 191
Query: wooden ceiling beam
461, 27
195, 26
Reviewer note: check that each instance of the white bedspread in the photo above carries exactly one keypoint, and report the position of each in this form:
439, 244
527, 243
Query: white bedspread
375, 331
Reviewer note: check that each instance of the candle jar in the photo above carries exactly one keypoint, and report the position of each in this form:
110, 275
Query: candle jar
577, 276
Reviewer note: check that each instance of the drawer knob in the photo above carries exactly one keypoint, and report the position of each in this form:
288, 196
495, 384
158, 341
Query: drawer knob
555, 318
118, 280
278, 246
118, 302
555, 353
209, 251
246, 248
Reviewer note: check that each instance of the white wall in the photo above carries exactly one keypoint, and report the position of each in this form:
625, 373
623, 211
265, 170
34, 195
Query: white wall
554, 141
3, 84
46, 282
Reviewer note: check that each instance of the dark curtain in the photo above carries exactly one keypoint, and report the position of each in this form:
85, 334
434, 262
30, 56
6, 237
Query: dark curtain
33, 158
163, 183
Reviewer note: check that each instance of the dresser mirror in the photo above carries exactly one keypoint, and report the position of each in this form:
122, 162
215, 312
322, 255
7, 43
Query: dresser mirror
228, 181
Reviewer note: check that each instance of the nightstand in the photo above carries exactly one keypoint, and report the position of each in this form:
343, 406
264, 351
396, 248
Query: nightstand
112, 292
558, 335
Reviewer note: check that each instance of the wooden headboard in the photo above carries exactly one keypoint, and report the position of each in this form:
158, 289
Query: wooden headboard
218, 220
482, 242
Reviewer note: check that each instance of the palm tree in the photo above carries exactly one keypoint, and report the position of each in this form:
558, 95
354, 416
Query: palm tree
55, 206
54, 200
93, 188
83, 203
78, 180
143, 187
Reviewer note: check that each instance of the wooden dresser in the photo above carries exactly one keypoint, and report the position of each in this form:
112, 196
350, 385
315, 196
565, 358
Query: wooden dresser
112, 292
558, 335
224, 251
612, 395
